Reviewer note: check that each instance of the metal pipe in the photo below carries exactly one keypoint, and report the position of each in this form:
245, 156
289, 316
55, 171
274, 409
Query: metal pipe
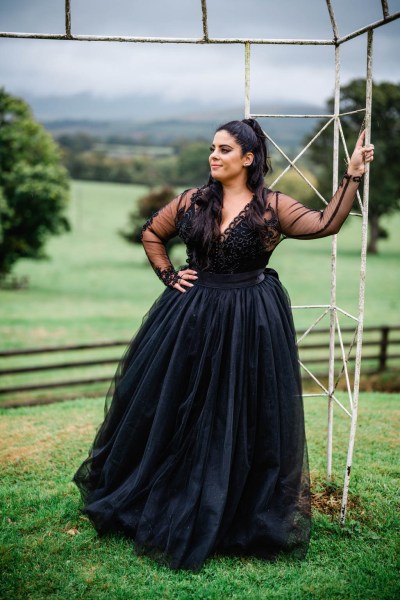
312, 326
324, 388
369, 28
247, 81
68, 19
348, 355
361, 301
351, 112
163, 40
311, 306
292, 162
345, 359
335, 180
204, 19
385, 8
292, 165
347, 313
333, 20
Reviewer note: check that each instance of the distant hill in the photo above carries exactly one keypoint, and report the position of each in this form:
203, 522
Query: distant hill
140, 107
89, 106
196, 125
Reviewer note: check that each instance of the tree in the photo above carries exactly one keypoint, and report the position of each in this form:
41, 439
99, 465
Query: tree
193, 165
146, 206
33, 185
385, 135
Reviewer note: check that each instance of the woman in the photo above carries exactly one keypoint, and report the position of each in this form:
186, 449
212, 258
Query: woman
202, 449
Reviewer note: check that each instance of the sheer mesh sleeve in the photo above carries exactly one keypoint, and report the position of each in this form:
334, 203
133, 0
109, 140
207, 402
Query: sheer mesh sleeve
161, 227
298, 221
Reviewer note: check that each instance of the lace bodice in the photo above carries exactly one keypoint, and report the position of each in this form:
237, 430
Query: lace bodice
239, 247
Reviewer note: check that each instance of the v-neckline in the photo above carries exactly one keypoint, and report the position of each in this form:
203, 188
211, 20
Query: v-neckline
232, 224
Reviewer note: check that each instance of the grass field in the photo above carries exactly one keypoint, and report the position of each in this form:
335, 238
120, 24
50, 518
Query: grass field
48, 550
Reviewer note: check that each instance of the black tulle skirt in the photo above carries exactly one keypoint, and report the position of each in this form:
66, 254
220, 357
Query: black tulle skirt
202, 449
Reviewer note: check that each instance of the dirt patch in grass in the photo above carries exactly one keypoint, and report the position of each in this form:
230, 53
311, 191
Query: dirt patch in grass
326, 498
16, 448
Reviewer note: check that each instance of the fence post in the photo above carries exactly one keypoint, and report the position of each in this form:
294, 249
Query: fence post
383, 348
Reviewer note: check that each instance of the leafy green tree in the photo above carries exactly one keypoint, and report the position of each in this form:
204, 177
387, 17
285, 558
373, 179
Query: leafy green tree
385, 135
33, 185
146, 206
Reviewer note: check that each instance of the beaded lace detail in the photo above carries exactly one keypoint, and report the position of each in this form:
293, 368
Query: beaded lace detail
168, 276
225, 234
239, 247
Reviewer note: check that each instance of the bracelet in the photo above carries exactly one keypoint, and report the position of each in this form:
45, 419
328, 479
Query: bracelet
356, 178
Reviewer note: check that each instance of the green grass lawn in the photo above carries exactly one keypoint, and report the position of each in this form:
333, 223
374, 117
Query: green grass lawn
48, 550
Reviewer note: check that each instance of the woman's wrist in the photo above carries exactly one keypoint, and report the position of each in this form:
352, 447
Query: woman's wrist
354, 171
354, 174
168, 275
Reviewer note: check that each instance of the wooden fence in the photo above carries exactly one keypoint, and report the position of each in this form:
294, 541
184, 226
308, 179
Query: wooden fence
381, 350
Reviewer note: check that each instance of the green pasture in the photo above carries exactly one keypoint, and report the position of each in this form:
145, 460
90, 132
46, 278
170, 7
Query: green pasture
96, 287
49, 550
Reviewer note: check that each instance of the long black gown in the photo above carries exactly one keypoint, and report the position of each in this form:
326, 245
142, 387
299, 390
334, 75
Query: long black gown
202, 449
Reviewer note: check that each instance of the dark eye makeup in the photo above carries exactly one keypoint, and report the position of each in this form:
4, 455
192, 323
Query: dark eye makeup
224, 150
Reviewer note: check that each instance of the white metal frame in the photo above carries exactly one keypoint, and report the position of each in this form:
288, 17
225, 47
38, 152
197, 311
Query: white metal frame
332, 309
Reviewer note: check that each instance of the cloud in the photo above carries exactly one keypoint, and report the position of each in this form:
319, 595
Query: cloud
114, 69
205, 72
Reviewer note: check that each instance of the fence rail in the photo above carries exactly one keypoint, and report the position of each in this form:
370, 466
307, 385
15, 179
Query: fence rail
381, 349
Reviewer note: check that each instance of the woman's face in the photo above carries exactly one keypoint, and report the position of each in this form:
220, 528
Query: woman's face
226, 159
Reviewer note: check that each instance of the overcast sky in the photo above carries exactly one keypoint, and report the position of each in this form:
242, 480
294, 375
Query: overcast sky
209, 73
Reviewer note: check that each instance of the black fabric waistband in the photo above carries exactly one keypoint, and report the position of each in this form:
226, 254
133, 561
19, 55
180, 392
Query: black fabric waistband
231, 280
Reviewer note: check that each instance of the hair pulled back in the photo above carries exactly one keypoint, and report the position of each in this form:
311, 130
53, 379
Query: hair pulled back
206, 224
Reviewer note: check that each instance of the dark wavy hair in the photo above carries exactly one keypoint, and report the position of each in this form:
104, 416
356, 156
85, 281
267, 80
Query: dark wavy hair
206, 224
